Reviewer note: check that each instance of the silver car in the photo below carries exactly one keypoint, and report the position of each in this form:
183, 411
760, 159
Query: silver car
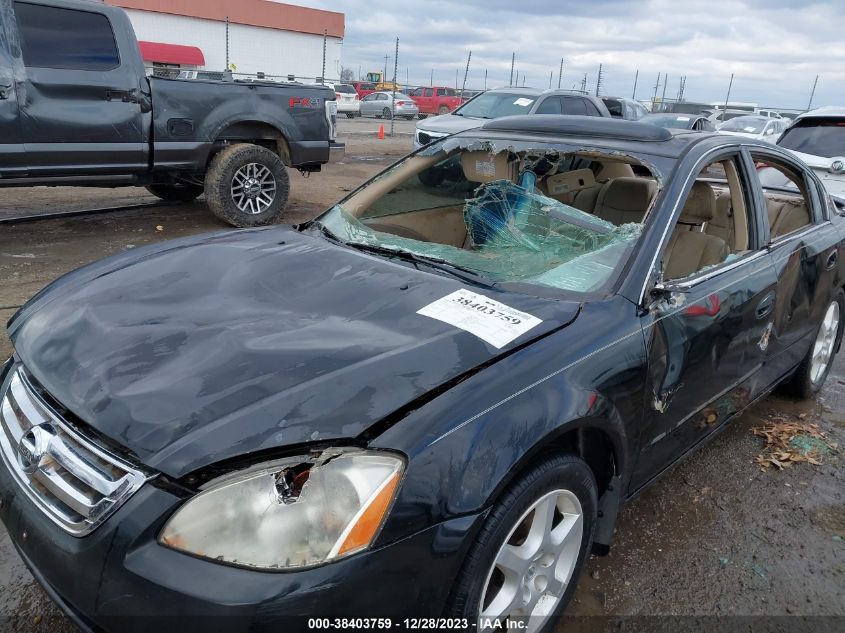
379, 105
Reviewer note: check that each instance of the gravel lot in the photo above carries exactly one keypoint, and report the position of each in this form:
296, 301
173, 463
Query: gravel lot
716, 537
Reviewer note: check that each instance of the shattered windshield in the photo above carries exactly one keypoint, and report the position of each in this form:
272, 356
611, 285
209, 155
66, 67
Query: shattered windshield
543, 217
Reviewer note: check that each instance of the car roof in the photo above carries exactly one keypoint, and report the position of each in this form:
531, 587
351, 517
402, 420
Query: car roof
538, 91
824, 111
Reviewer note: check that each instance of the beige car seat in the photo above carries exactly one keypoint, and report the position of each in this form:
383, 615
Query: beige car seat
625, 199
689, 249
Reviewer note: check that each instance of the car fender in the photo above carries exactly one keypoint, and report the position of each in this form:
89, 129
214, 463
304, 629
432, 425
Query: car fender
469, 443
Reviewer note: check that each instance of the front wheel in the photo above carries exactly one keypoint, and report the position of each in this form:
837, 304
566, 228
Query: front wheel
177, 192
387, 114
527, 557
247, 185
443, 110
811, 374
421, 116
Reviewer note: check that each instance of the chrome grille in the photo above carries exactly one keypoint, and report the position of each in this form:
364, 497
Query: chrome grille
75, 483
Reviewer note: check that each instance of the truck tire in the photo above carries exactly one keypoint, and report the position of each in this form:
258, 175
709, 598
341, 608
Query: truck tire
247, 185
178, 192
443, 110
387, 114
421, 116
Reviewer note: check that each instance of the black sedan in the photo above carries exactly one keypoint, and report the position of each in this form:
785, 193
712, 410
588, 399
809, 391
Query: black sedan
680, 121
431, 401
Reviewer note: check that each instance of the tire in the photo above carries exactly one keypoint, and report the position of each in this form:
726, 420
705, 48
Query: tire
443, 110
387, 114
176, 192
421, 116
350, 115
409, 118
247, 163
811, 374
559, 477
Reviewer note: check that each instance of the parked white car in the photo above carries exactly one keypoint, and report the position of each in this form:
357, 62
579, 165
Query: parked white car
348, 102
754, 126
818, 138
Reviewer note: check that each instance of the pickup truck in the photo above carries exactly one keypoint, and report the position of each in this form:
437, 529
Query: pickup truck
435, 100
77, 108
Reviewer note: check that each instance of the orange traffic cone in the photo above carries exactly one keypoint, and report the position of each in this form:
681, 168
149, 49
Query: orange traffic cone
381, 132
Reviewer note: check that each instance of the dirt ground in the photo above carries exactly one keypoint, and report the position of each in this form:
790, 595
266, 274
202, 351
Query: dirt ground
716, 537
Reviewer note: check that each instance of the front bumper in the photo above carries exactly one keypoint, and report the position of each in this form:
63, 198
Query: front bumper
118, 578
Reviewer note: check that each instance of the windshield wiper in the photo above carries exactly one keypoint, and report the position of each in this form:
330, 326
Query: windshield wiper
456, 270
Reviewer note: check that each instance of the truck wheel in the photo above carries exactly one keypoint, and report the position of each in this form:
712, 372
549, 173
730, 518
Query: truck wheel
443, 110
247, 185
175, 193
387, 114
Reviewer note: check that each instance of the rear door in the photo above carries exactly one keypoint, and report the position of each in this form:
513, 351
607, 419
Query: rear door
803, 246
12, 161
79, 104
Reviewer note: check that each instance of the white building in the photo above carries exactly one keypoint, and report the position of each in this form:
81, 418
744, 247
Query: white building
267, 37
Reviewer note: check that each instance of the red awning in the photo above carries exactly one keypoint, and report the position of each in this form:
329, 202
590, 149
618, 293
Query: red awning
171, 53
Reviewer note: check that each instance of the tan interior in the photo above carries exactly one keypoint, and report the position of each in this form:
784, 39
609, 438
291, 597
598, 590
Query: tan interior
442, 226
481, 166
625, 199
786, 213
689, 248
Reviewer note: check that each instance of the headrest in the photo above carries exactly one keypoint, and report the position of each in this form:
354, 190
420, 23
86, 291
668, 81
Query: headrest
700, 206
482, 166
626, 194
569, 181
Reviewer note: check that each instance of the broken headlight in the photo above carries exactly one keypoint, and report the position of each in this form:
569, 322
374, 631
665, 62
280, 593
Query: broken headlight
294, 514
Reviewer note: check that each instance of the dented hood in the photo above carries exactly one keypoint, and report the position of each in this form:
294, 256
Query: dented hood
198, 350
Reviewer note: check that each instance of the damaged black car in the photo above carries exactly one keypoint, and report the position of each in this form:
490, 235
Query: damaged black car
431, 401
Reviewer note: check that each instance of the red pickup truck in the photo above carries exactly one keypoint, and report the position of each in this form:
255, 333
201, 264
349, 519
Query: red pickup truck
435, 100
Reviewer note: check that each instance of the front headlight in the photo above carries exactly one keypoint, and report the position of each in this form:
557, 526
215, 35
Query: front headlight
296, 513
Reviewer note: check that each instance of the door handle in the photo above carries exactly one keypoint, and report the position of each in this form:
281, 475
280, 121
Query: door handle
831, 261
765, 307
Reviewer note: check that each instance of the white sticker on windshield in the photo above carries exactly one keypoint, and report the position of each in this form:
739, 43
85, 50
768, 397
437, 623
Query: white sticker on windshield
489, 320
683, 118
522, 101
749, 129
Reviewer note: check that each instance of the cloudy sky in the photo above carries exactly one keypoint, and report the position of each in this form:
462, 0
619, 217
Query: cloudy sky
774, 47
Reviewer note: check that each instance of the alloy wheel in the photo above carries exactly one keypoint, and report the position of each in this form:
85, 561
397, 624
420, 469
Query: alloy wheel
533, 567
253, 188
825, 342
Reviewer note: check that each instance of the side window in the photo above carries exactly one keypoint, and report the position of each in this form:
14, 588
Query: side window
416, 92
785, 192
714, 227
382, 96
574, 105
441, 92
592, 110
550, 105
369, 97
429, 92
65, 38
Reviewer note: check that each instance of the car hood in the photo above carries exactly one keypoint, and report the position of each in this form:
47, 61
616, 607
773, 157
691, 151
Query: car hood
198, 350
449, 124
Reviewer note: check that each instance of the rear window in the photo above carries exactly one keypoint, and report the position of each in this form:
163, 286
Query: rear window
819, 137
614, 106
65, 38
343, 88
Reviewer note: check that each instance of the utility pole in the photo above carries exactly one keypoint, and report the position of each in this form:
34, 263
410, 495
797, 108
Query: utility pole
665, 83
384, 76
813, 93
393, 96
431, 81
598, 81
323, 73
550, 79
681, 87
560, 74
730, 85
636, 77
466, 72
407, 81
456, 79
523, 80
485, 79
584, 83
656, 88
513, 59
227, 42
